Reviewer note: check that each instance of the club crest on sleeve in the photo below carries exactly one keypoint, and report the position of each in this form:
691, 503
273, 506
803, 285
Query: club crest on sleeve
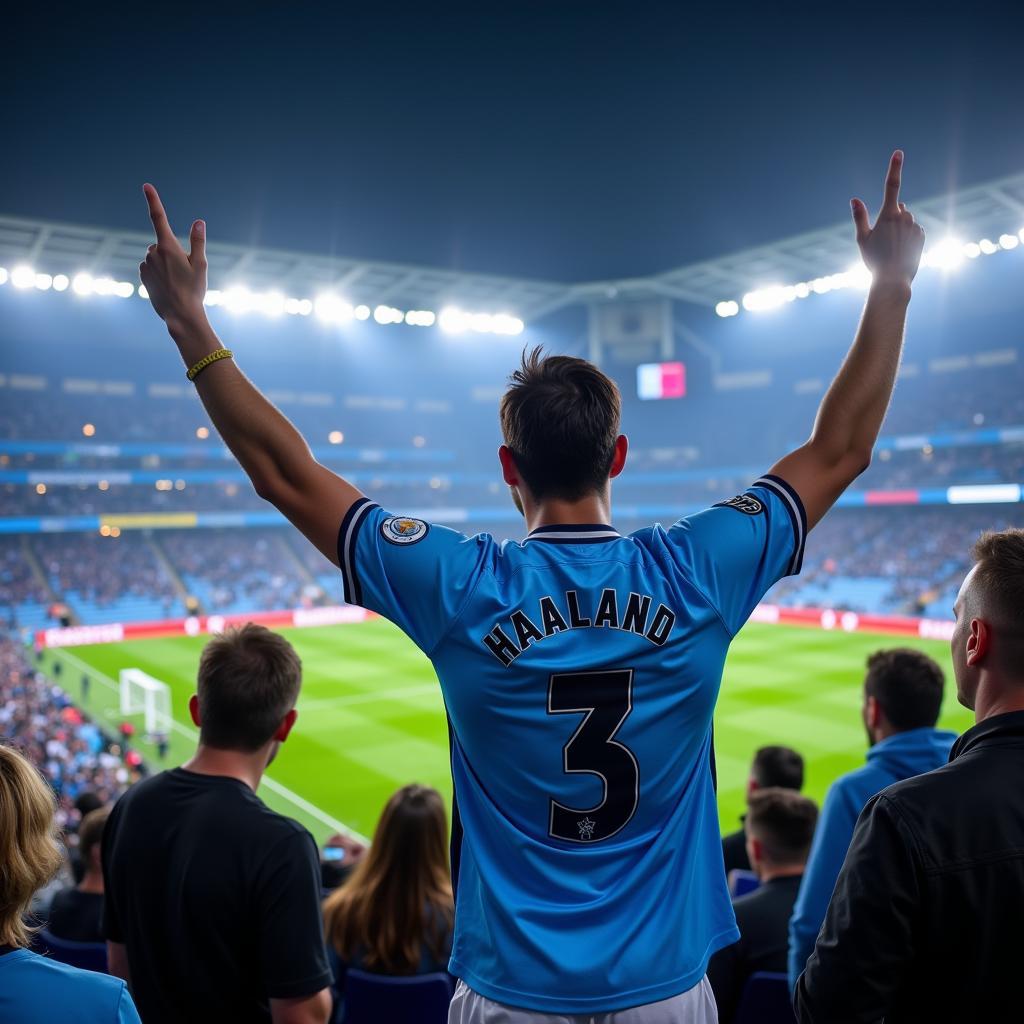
403, 530
745, 503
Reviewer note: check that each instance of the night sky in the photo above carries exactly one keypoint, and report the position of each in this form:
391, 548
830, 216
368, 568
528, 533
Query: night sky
561, 140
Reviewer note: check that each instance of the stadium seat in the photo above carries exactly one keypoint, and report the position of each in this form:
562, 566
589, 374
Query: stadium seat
741, 882
765, 1000
373, 998
89, 956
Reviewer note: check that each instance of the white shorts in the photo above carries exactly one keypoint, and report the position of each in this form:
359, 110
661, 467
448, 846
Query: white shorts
696, 1006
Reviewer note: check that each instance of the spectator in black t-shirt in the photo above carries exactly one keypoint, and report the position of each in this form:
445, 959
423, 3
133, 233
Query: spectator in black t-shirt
76, 912
780, 827
213, 900
780, 767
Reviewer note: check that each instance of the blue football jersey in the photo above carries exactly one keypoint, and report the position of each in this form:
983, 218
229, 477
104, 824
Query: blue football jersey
580, 670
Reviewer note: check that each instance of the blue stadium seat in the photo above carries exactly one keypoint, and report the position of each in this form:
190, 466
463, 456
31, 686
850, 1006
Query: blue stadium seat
373, 998
765, 1000
89, 956
741, 882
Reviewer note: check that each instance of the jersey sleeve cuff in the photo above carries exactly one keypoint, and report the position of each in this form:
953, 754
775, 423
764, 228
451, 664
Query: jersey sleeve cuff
797, 516
347, 536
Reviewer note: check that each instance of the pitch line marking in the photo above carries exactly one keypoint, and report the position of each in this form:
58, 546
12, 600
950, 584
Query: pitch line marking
193, 734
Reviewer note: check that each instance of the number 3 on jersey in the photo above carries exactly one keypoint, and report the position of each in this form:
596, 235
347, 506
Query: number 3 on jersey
605, 698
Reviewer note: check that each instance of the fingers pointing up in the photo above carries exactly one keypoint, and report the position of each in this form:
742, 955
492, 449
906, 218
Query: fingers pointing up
162, 227
891, 199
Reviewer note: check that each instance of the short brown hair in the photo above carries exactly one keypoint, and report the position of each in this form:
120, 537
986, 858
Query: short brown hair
999, 587
560, 419
783, 821
90, 833
249, 679
908, 686
29, 851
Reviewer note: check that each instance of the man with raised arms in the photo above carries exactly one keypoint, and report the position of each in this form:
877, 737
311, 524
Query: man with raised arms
579, 668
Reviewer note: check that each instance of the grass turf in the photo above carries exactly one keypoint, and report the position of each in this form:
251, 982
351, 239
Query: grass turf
371, 717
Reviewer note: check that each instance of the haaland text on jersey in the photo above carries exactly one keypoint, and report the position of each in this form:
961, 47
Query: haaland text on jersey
566, 614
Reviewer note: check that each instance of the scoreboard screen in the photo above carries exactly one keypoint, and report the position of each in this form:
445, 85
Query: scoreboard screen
661, 380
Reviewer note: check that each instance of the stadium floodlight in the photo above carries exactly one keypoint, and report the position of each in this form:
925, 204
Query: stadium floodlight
144, 293
727, 308
124, 289
23, 277
452, 320
987, 246
4, 275
1020, 234
43, 282
332, 309
947, 254
271, 303
420, 317
972, 250
388, 315
1008, 242
506, 323
362, 312
61, 282
82, 284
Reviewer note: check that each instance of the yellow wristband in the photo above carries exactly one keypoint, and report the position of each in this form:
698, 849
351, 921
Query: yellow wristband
221, 353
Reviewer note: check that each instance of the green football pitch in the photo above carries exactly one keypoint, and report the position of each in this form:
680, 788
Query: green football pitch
371, 717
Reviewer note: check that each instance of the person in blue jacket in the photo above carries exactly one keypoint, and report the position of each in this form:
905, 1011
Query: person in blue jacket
902, 700
35, 989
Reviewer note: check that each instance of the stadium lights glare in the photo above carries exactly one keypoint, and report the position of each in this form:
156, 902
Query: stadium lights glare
455, 321
23, 277
947, 255
329, 308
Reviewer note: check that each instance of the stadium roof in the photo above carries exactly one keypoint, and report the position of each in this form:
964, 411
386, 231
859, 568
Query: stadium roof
989, 209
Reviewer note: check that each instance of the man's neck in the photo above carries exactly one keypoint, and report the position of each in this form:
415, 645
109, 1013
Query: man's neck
769, 874
232, 764
997, 697
595, 508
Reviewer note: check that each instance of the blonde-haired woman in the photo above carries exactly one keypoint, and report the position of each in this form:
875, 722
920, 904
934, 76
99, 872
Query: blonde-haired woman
33, 988
394, 915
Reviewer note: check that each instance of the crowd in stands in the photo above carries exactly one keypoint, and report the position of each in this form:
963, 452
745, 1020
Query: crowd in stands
40, 719
86, 569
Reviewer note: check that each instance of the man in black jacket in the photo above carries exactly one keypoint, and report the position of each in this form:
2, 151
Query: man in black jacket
925, 921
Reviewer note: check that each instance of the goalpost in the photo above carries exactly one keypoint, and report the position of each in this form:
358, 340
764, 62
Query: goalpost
141, 694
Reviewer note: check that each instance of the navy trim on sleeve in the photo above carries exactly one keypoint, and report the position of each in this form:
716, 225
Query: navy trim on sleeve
798, 517
346, 548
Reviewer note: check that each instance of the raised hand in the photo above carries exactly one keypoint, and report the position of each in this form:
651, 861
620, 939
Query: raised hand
174, 279
891, 249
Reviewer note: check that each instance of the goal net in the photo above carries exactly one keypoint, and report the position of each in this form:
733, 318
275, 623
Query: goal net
141, 694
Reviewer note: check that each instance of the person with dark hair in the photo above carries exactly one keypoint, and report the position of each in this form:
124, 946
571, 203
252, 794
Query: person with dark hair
212, 900
76, 913
902, 699
780, 826
395, 913
36, 989
925, 921
579, 668
772, 767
